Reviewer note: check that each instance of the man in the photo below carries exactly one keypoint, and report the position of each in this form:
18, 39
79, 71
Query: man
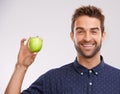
88, 74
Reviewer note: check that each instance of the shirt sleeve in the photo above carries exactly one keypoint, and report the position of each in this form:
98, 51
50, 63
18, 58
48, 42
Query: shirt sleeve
37, 87
45, 84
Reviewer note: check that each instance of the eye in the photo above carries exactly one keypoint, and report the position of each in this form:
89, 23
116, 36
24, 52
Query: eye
94, 32
80, 31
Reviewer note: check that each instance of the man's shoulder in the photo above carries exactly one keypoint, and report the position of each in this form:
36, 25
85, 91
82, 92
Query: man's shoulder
62, 70
112, 69
63, 67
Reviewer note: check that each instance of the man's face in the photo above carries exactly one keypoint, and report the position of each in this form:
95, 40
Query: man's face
87, 36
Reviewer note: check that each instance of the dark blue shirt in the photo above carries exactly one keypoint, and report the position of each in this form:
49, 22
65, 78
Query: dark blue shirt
76, 79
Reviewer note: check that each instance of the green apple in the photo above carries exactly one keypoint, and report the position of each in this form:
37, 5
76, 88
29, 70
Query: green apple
35, 44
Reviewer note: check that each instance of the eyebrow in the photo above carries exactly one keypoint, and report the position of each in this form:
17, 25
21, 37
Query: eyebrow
81, 28
95, 28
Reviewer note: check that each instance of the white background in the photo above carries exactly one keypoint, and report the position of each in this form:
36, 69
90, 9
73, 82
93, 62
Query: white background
51, 20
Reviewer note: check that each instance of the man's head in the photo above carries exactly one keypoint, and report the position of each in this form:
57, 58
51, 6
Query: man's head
87, 30
90, 11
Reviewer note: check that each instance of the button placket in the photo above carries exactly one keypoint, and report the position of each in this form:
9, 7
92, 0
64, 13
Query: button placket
90, 83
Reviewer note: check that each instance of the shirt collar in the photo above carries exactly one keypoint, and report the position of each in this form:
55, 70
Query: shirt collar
82, 70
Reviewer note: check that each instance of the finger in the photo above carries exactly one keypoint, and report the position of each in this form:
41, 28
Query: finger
28, 40
34, 56
35, 53
23, 41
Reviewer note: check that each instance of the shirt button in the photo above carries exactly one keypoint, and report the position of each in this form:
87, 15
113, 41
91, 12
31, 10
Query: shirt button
81, 73
90, 83
90, 71
96, 73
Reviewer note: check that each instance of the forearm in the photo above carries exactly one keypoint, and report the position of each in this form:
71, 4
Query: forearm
15, 84
25, 59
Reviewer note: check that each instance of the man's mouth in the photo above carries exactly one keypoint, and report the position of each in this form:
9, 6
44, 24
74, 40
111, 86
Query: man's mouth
88, 46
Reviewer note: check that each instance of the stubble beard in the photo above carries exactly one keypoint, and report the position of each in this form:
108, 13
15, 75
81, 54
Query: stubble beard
95, 51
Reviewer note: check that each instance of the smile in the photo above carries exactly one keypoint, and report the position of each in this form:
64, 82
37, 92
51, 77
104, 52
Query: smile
88, 46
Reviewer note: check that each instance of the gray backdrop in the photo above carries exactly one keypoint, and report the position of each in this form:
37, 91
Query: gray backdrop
51, 20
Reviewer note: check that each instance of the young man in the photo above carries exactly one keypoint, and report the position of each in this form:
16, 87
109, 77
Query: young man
87, 74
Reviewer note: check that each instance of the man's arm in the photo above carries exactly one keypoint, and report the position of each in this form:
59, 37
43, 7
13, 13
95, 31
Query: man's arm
25, 59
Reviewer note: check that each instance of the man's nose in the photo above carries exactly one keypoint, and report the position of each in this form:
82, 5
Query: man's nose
87, 37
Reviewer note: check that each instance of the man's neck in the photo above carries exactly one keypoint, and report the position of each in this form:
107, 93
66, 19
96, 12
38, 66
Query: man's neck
89, 63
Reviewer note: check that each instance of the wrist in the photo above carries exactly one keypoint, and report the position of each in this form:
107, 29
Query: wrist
21, 66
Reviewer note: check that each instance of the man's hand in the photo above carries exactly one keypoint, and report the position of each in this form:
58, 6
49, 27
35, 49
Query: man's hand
25, 56
25, 59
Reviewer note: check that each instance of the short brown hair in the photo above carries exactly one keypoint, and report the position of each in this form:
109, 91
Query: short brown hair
90, 11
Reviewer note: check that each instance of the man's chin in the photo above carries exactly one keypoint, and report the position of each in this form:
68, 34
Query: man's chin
88, 55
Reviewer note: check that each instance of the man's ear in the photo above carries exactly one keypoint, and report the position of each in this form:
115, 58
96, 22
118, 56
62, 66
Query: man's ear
103, 36
72, 36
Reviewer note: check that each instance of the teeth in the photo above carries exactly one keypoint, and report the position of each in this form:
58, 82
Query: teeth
87, 45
